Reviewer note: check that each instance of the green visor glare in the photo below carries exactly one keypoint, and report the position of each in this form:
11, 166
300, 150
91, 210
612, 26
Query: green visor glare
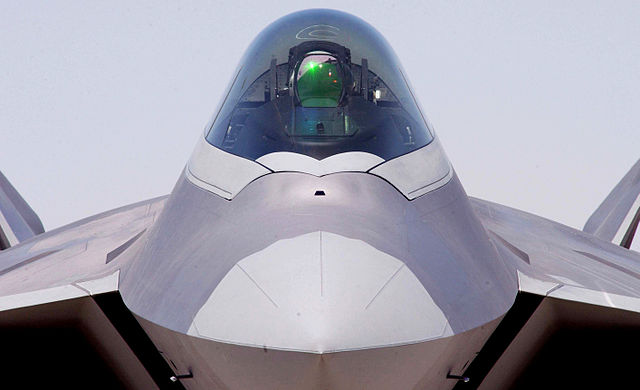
319, 83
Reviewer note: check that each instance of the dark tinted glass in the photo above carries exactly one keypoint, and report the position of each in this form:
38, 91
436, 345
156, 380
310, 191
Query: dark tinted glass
319, 82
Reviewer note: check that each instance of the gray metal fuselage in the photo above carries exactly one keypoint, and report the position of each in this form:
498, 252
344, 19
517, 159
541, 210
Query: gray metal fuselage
319, 238
200, 237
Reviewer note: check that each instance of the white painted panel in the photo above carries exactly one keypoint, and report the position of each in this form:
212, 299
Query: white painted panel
320, 292
239, 312
534, 286
635, 244
418, 172
300, 257
342, 162
410, 318
220, 172
348, 261
599, 298
566, 281
626, 222
101, 285
38, 297
8, 232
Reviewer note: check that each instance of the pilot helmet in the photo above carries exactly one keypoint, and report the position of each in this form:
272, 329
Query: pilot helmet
322, 75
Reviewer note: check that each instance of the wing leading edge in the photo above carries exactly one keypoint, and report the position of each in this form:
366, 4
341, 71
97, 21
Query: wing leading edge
61, 314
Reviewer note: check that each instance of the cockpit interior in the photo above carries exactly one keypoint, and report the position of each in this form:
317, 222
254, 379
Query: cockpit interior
325, 91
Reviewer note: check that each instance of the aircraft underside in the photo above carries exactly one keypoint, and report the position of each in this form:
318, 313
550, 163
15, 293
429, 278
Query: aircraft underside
95, 342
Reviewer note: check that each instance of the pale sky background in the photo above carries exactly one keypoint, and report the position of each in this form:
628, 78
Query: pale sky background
536, 103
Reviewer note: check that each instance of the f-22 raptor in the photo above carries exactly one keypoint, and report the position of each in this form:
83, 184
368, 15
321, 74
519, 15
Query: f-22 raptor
319, 238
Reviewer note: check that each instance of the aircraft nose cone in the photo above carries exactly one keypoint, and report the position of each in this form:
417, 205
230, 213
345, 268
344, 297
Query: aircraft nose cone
320, 292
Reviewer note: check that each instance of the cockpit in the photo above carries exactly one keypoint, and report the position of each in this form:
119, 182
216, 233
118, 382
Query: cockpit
319, 83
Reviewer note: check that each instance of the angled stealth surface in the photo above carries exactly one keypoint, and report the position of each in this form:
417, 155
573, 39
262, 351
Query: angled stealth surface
616, 213
343, 162
345, 292
418, 172
18, 221
557, 261
71, 261
219, 239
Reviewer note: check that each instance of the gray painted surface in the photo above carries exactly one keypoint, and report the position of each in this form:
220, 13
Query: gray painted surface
342, 162
18, 221
609, 219
454, 246
416, 173
199, 238
119, 250
225, 174
564, 259
559, 256
220, 172
562, 262
235, 245
227, 366
75, 253
319, 293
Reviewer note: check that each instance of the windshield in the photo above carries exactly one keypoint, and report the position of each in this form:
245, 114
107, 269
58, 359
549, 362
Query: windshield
319, 83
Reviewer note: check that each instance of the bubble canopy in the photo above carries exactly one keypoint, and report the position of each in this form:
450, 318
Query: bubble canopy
319, 83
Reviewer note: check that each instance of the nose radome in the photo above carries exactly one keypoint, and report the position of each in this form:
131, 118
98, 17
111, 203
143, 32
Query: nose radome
320, 292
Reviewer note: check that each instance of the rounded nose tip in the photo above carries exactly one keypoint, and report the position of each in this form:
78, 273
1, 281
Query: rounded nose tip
320, 292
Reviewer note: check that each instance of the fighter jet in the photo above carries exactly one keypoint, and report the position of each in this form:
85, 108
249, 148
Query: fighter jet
319, 238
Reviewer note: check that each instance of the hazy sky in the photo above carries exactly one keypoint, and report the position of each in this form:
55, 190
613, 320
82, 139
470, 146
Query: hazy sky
536, 103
